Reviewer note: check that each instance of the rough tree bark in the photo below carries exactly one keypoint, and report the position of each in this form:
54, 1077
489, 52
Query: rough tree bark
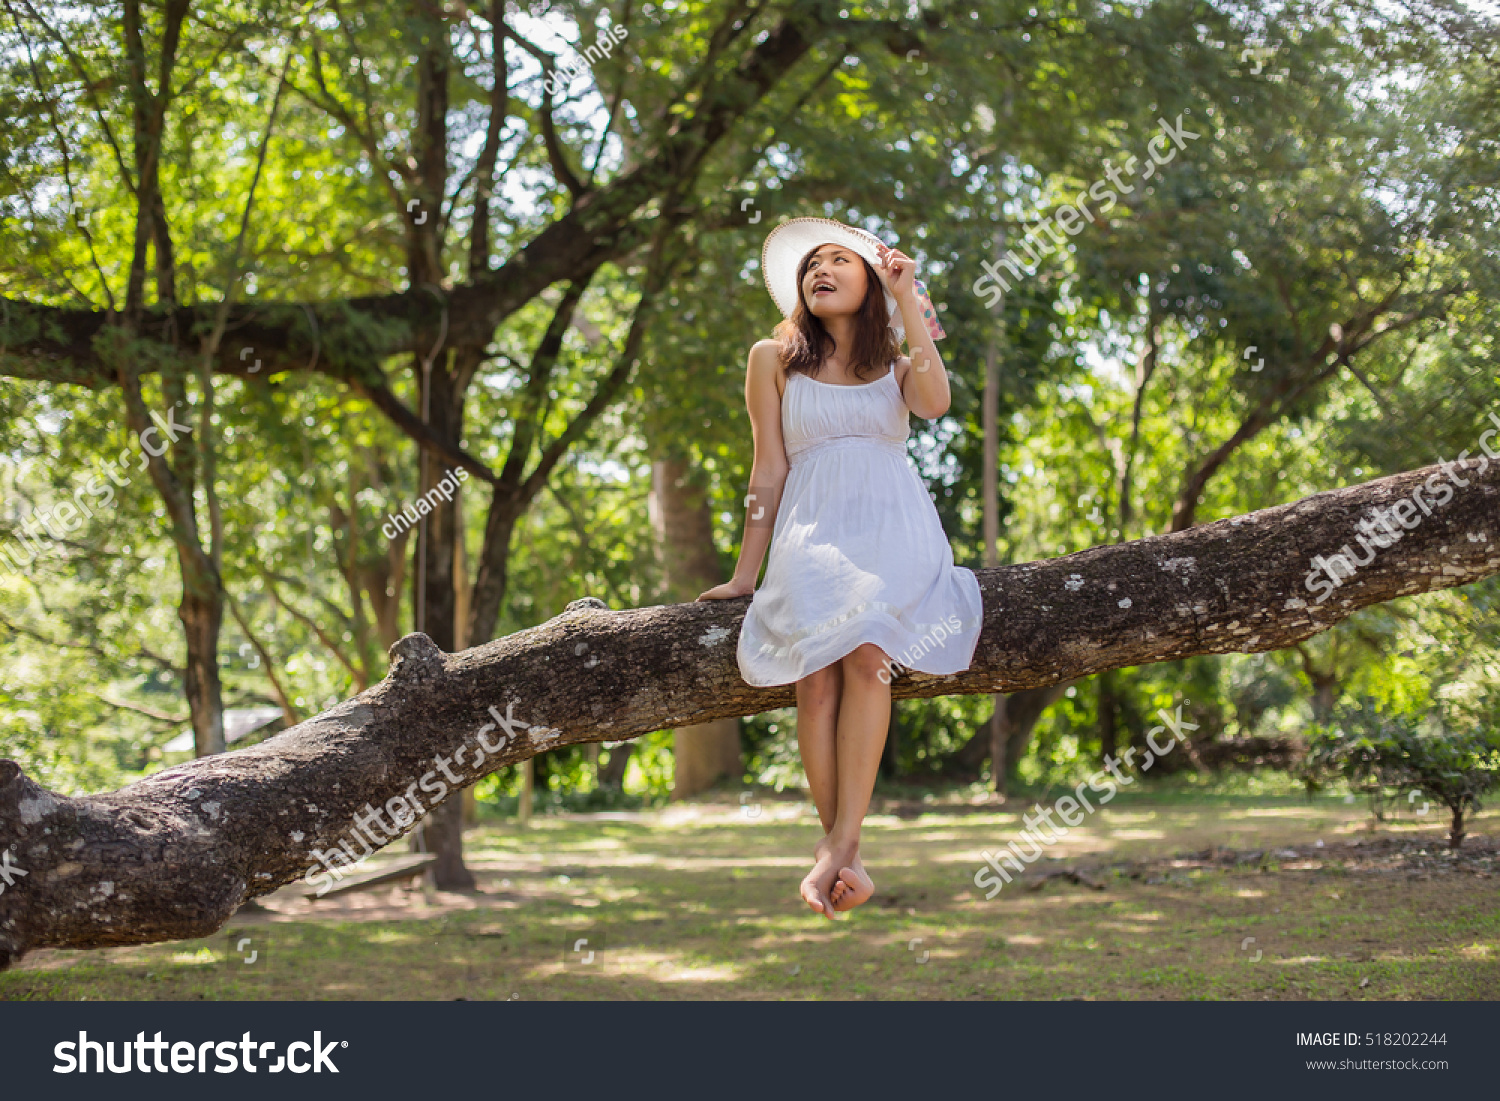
176, 854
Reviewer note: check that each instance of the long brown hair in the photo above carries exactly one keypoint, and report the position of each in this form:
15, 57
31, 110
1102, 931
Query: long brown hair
805, 343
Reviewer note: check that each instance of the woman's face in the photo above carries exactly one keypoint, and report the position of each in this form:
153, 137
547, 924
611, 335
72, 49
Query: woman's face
835, 282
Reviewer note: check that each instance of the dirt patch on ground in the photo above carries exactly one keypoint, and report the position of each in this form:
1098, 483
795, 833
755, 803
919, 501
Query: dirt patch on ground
1414, 858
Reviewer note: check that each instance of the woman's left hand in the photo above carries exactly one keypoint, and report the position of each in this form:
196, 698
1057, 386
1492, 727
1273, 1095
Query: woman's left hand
897, 271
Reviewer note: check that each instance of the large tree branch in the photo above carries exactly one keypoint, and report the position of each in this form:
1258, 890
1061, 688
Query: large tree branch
150, 713
176, 854
531, 415
56, 345
513, 494
484, 167
384, 399
659, 269
1288, 391
557, 156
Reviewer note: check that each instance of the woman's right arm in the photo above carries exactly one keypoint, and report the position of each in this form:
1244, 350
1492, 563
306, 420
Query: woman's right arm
767, 473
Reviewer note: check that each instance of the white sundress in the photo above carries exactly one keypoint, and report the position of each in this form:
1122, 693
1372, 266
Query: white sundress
858, 553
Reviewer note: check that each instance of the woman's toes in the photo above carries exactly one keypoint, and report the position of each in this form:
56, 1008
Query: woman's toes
857, 889
854, 882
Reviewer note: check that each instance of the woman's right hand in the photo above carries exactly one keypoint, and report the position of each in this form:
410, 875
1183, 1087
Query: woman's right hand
728, 591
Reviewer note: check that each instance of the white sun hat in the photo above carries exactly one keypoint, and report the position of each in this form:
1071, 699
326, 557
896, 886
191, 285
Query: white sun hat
790, 241
793, 239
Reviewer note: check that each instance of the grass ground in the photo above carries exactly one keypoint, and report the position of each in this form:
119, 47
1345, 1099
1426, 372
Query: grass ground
699, 901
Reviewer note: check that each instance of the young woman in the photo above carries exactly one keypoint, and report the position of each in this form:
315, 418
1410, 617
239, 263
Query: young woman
860, 573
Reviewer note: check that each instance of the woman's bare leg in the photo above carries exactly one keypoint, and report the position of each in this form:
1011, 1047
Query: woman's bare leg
864, 716
817, 718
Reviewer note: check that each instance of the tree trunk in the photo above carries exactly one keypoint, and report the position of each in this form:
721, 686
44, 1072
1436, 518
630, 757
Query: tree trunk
1107, 714
435, 600
1325, 682
704, 753
1456, 827
1019, 713
999, 732
890, 757
541, 772
382, 583
682, 518
528, 793
1023, 710
172, 468
612, 776
177, 853
1325, 695
202, 614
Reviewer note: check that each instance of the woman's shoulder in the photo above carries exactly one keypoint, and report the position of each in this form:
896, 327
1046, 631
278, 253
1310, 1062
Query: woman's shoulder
901, 367
765, 359
766, 350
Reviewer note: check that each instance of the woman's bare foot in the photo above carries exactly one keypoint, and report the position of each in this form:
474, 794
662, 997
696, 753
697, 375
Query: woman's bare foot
817, 883
852, 888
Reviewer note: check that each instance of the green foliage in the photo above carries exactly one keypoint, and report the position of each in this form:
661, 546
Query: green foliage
1382, 752
1358, 167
